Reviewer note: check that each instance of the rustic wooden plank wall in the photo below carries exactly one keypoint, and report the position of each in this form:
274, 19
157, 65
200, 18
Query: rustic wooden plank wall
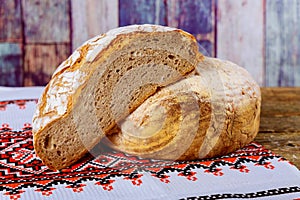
47, 38
46, 21
262, 36
92, 17
283, 43
197, 18
41, 60
10, 21
11, 39
240, 35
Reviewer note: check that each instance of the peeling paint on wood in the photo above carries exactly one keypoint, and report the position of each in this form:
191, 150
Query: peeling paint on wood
41, 61
240, 35
10, 21
283, 43
10, 64
46, 21
91, 18
142, 12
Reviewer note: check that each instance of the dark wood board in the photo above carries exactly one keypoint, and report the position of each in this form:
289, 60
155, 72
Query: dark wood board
280, 122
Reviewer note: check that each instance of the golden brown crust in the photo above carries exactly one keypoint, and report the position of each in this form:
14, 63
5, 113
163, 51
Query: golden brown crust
192, 119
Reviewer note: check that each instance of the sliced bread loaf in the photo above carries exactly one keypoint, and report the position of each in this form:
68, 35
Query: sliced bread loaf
102, 82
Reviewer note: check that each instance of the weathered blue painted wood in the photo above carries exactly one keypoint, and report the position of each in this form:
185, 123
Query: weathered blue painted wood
195, 17
10, 64
282, 43
142, 12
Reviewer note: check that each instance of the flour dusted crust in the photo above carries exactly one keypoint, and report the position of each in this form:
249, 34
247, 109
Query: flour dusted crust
75, 110
205, 115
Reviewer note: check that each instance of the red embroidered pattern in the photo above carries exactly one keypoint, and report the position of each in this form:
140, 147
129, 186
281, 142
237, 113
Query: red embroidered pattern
20, 168
20, 103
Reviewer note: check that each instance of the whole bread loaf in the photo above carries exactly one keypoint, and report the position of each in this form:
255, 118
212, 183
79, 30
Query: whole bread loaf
102, 82
212, 113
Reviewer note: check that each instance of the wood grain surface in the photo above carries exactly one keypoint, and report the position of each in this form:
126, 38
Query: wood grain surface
46, 21
41, 60
240, 35
10, 21
92, 17
282, 43
280, 122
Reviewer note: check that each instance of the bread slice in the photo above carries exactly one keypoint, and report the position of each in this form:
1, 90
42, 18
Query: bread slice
102, 82
212, 113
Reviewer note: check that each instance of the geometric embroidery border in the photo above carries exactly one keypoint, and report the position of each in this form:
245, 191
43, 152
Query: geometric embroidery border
267, 193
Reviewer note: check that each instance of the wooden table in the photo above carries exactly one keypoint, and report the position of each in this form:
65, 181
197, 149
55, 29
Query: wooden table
280, 122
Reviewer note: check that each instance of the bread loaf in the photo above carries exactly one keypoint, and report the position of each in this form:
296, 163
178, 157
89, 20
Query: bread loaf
147, 91
102, 82
211, 113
